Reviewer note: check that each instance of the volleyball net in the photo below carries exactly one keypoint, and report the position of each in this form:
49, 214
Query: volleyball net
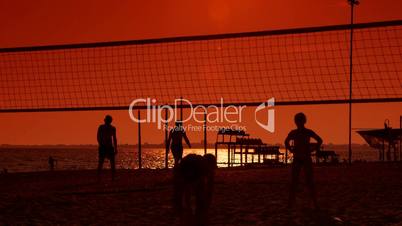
295, 66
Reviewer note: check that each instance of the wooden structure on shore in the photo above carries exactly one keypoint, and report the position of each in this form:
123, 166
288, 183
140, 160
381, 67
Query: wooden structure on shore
239, 143
325, 156
385, 141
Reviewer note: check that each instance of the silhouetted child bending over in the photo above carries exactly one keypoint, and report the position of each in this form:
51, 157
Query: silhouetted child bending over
193, 180
301, 150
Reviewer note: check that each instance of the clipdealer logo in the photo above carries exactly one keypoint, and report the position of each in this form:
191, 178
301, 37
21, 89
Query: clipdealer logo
212, 113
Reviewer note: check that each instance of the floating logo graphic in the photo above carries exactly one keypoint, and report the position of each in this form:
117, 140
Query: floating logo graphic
270, 125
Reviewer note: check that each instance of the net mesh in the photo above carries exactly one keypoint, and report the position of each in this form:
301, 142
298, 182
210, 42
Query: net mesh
310, 66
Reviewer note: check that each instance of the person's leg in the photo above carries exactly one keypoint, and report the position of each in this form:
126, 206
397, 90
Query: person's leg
180, 153
177, 152
178, 184
308, 171
296, 168
113, 165
202, 203
173, 150
187, 214
101, 159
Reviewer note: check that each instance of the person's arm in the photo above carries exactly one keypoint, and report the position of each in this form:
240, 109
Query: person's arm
287, 141
186, 139
317, 138
98, 135
115, 141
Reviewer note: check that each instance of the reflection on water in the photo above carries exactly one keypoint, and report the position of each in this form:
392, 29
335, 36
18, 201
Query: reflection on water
86, 157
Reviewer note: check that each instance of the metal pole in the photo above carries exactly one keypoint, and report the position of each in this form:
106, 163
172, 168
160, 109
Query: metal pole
241, 153
400, 139
216, 151
205, 133
286, 156
352, 3
181, 109
383, 150
228, 155
166, 140
139, 141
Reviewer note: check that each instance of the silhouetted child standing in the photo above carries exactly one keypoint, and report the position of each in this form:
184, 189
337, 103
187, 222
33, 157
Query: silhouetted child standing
175, 141
51, 161
107, 141
301, 150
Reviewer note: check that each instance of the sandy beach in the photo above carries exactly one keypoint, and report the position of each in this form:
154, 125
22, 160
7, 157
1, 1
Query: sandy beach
361, 194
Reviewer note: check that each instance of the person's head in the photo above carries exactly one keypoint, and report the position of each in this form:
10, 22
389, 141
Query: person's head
108, 119
300, 119
179, 123
210, 161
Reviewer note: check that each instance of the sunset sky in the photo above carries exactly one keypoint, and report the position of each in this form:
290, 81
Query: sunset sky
48, 22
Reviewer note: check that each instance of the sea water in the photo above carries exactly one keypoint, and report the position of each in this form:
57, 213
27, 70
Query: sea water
35, 158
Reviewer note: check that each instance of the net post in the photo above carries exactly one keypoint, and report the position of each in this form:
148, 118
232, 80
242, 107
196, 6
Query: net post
286, 156
181, 109
216, 151
166, 140
139, 141
352, 4
400, 139
205, 132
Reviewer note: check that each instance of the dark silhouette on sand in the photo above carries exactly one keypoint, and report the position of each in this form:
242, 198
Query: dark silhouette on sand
107, 141
52, 162
194, 177
175, 141
301, 150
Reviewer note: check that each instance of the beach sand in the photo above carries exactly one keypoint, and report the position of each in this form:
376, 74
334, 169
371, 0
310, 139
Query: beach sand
361, 194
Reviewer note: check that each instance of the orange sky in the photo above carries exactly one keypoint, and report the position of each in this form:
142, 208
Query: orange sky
44, 22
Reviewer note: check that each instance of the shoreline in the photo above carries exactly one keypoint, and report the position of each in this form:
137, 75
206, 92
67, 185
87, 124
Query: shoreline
247, 166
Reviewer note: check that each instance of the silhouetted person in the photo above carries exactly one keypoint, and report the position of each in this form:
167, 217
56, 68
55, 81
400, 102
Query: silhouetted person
175, 141
51, 161
107, 141
194, 177
301, 150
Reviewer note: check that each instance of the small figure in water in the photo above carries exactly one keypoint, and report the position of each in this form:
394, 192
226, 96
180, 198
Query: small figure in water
107, 141
175, 141
51, 161
193, 188
301, 150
